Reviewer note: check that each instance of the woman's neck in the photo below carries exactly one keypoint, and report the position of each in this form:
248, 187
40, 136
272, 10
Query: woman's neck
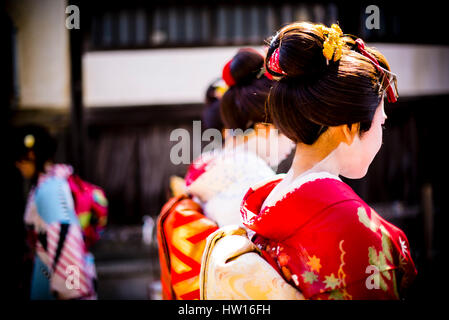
255, 141
321, 156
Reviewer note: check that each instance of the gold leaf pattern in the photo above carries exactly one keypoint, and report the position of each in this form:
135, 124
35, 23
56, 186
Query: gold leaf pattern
331, 281
367, 222
332, 46
309, 277
314, 263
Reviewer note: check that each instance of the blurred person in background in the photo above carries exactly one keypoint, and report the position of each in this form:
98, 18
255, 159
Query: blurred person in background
211, 117
252, 147
217, 180
310, 226
62, 266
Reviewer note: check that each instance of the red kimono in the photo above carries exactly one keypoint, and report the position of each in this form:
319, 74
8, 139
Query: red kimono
328, 242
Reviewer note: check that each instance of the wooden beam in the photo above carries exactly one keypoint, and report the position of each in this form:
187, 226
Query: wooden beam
142, 115
77, 127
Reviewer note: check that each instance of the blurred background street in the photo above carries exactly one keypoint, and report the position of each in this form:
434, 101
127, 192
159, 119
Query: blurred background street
127, 267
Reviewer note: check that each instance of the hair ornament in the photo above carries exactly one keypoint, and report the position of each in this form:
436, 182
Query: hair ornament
273, 62
274, 39
29, 141
227, 76
221, 90
333, 45
263, 72
389, 77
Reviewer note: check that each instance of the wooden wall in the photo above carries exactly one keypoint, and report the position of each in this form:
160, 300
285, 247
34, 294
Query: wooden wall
128, 152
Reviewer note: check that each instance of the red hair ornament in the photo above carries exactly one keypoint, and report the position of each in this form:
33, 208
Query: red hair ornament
273, 62
226, 74
391, 86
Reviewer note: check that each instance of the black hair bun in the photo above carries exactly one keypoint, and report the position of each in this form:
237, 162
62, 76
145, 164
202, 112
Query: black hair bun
246, 65
300, 51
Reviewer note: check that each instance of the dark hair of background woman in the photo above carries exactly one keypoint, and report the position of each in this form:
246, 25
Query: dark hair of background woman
244, 104
44, 146
211, 113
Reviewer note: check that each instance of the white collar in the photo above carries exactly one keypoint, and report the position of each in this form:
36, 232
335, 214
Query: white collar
295, 184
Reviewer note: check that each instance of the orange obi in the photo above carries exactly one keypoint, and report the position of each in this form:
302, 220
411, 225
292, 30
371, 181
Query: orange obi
182, 230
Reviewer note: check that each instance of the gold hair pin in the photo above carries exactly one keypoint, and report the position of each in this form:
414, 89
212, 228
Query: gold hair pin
29, 141
333, 45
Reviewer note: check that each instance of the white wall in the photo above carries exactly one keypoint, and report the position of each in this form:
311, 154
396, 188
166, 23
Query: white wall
170, 76
42, 53
421, 69
142, 77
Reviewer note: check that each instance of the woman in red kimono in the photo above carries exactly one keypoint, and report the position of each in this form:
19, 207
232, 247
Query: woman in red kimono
313, 228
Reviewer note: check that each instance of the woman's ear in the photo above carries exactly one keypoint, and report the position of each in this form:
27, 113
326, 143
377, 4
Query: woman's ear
349, 132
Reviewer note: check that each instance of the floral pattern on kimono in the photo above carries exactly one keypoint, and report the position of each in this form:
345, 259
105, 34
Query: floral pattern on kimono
328, 242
